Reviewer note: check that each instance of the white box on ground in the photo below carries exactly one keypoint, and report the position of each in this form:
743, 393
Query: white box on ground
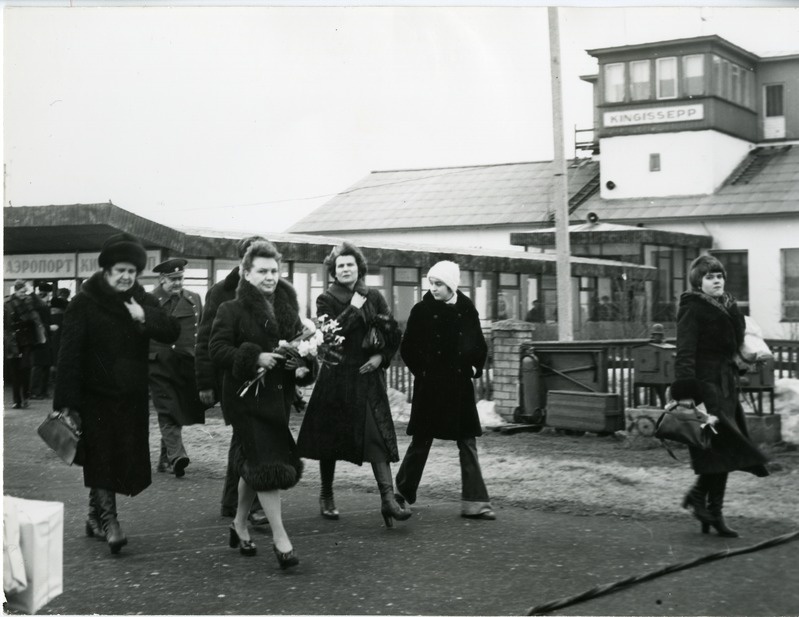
41, 539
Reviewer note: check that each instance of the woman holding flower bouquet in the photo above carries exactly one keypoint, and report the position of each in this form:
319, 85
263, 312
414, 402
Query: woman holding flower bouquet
258, 389
348, 417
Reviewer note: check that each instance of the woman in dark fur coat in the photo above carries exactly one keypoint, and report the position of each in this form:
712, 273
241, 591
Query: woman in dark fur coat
348, 417
710, 330
102, 375
244, 336
445, 349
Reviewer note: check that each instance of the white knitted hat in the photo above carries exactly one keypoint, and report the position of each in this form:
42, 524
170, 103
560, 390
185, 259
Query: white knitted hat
448, 273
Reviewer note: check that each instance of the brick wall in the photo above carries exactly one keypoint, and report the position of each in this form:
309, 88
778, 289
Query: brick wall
506, 339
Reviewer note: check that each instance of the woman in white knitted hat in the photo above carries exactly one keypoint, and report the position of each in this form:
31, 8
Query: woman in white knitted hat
445, 349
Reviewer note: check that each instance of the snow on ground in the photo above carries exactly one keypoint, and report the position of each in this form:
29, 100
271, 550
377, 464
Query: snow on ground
786, 403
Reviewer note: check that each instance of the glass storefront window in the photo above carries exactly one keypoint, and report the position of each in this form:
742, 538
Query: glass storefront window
484, 294
223, 267
309, 281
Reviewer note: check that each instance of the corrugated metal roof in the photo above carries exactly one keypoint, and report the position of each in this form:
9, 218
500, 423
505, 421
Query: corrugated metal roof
521, 194
509, 194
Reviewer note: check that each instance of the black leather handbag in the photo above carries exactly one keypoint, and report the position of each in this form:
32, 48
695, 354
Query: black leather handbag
685, 423
61, 432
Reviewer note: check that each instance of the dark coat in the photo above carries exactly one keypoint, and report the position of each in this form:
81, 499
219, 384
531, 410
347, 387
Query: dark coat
335, 420
173, 386
23, 324
242, 330
43, 352
208, 376
445, 349
102, 373
708, 336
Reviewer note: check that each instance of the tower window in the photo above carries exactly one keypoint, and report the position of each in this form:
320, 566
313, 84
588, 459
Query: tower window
614, 83
666, 78
693, 68
640, 88
654, 162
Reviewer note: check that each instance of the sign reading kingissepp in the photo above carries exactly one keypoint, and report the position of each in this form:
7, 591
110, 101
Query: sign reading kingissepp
654, 115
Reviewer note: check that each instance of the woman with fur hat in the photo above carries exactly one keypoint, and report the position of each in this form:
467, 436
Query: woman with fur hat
244, 336
445, 349
348, 417
102, 375
710, 329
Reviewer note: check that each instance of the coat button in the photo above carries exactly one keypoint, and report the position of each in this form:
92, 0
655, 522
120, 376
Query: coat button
279, 387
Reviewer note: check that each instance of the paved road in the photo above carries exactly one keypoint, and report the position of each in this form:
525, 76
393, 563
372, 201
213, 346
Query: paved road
178, 561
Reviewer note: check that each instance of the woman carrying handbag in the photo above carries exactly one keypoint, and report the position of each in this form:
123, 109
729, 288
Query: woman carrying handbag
710, 330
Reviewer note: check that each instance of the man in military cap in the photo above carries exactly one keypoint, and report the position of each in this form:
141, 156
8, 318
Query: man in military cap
173, 386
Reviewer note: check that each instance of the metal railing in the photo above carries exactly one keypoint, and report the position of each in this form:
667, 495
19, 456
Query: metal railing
621, 372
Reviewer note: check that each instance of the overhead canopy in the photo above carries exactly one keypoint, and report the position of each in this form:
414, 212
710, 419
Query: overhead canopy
605, 233
84, 227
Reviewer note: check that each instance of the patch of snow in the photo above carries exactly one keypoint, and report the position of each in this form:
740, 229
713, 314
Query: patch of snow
786, 403
489, 417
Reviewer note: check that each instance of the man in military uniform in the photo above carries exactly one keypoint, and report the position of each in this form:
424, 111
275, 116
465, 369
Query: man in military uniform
173, 386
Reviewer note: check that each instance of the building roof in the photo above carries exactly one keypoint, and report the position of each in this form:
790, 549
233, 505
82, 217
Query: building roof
520, 195
451, 197
773, 190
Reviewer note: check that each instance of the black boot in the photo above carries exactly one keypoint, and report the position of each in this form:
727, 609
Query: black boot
695, 499
94, 523
107, 500
715, 503
389, 508
327, 505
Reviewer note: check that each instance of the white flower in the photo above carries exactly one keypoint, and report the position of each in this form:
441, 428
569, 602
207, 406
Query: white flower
283, 343
303, 348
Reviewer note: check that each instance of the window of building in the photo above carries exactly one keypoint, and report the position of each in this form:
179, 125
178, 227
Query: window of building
508, 296
693, 69
666, 78
549, 296
736, 263
774, 101
790, 284
654, 162
223, 267
406, 292
736, 92
484, 295
614, 83
640, 83
309, 281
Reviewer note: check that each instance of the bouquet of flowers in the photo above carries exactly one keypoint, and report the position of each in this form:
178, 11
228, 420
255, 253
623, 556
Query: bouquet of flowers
320, 340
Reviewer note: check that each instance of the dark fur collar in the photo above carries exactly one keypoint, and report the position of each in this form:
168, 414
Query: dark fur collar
280, 315
344, 294
97, 289
724, 305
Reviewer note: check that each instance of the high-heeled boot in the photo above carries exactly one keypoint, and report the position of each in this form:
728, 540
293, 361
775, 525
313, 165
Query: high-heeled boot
327, 505
107, 500
695, 499
389, 507
94, 524
715, 503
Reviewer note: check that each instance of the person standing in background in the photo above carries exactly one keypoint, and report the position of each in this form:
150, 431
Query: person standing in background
43, 353
22, 330
173, 386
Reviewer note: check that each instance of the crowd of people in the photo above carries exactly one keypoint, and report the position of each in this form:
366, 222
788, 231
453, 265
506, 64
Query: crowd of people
119, 346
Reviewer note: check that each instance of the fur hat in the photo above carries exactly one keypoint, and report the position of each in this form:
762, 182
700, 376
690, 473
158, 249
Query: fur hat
448, 273
122, 247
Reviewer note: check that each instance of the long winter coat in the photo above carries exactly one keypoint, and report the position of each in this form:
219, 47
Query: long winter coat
102, 373
445, 349
208, 376
335, 419
173, 386
709, 333
242, 330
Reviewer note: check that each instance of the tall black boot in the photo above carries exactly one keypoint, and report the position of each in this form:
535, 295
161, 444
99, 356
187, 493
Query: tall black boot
94, 522
695, 499
389, 508
327, 505
107, 500
715, 503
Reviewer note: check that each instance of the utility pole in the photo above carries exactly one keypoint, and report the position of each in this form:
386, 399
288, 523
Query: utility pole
560, 193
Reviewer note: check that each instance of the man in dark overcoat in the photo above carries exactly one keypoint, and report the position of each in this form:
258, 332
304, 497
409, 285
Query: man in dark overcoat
209, 379
173, 386
43, 352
